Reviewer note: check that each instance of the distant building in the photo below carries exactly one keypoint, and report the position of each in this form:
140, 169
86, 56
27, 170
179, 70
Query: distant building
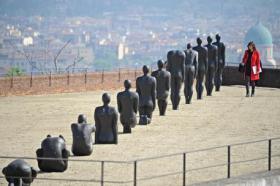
27, 41
261, 36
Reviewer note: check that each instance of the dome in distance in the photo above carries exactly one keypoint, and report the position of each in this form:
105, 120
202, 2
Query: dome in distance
259, 34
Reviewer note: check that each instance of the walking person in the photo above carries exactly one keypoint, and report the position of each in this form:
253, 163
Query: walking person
251, 61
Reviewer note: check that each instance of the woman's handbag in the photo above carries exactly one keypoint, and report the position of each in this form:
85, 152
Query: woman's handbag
241, 68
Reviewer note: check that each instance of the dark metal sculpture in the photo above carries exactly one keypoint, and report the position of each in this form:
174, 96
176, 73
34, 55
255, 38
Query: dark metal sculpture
191, 66
176, 67
19, 173
163, 85
54, 148
106, 120
221, 62
128, 105
202, 67
146, 89
82, 139
212, 66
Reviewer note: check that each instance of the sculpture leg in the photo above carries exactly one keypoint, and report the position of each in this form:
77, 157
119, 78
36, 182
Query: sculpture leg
173, 87
162, 105
126, 129
65, 155
190, 85
179, 86
176, 96
186, 87
219, 77
39, 154
199, 84
211, 80
149, 112
141, 111
207, 81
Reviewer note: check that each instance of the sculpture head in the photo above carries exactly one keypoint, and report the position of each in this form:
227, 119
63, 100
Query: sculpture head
127, 84
106, 99
160, 64
169, 54
209, 39
218, 37
82, 118
199, 41
145, 69
189, 46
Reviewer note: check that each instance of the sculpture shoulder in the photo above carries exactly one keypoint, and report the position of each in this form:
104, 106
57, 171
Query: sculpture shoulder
139, 79
98, 109
112, 110
153, 79
134, 94
52, 140
166, 73
74, 126
215, 47
154, 73
120, 94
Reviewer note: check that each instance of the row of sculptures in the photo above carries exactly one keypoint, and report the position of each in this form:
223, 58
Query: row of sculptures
181, 67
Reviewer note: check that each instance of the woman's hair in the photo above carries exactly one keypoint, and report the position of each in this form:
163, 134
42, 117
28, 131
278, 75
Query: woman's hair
253, 44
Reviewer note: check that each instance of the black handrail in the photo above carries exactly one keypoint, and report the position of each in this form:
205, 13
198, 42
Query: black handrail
184, 171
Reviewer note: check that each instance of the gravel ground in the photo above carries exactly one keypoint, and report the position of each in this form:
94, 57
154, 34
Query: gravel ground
225, 118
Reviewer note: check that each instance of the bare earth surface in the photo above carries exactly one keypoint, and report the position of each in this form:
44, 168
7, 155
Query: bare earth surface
225, 118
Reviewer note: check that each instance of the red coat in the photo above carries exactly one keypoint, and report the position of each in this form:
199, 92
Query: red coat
255, 61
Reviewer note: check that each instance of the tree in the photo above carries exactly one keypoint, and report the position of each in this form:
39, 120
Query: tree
15, 71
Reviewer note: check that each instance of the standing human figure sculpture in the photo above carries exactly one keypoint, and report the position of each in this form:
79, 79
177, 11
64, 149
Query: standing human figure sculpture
106, 120
221, 62
146, 89
212, 66
202, 67
176, 67
53, 147
19, 173
82, 137
128, 105
191, 66
163, 85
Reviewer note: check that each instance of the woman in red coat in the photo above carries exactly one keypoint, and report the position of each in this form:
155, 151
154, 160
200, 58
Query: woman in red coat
251, 60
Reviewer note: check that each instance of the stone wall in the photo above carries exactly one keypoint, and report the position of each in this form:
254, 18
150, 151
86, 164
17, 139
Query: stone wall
268, 78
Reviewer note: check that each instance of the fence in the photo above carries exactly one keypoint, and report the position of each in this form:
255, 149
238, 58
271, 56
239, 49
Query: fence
227, 152
69, 82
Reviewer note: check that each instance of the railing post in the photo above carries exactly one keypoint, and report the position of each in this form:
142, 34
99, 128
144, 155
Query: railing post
135, 174
119, 74
184, 169
50, 79
228, 173
31, 79
12, 80
102, 173
269, 155
68, 77
102, 76
86, 76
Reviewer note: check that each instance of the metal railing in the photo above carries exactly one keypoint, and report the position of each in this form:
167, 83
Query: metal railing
136, 164
91, 70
